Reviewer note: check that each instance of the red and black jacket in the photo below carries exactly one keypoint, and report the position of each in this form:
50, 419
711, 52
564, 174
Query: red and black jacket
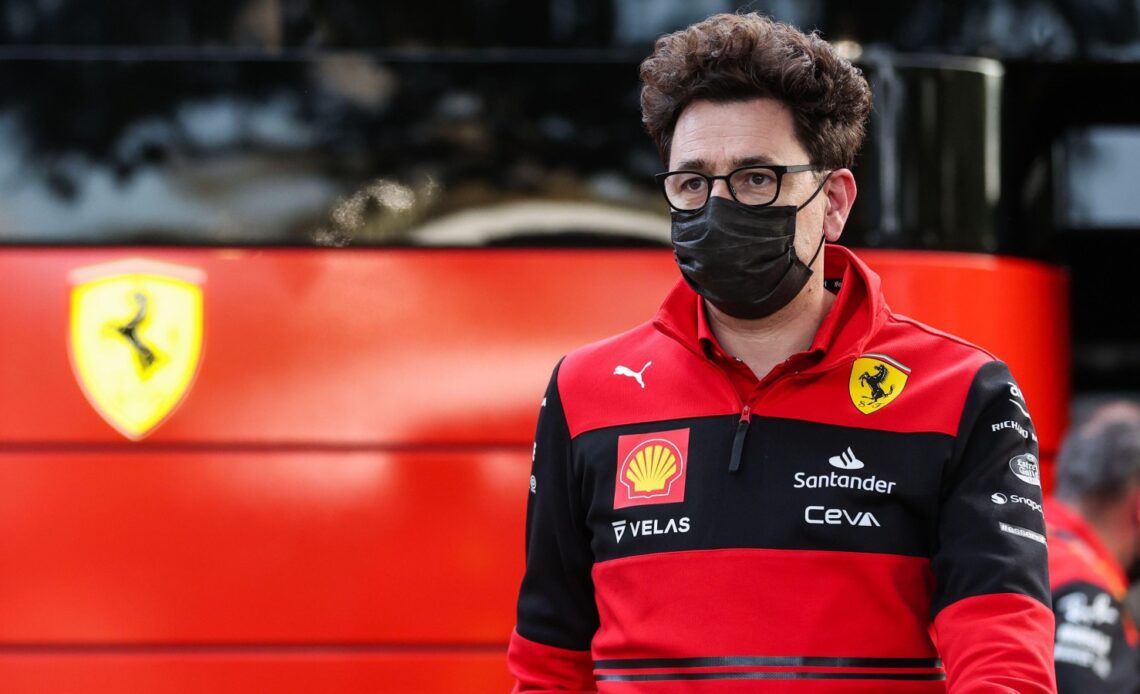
866, 518
1096, 637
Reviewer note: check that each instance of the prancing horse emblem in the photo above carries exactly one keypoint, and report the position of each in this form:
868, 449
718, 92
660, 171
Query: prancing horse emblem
873, 382
876, 380
136, 339
130, 333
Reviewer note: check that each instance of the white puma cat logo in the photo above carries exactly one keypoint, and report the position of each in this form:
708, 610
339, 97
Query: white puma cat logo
635, 375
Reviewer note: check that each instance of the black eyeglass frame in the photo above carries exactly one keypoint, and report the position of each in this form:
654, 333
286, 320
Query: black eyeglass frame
777, 169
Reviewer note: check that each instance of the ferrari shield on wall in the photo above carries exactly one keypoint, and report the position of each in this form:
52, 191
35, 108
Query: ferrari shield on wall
136, 339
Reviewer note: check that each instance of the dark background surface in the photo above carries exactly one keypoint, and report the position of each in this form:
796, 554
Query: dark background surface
303, 122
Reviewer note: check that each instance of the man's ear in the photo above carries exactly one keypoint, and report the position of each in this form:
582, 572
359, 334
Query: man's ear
839, 193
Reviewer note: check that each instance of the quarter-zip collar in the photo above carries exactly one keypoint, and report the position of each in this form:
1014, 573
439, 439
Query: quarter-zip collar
857, 314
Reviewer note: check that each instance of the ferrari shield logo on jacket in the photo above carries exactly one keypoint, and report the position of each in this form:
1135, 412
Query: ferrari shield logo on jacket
876, 380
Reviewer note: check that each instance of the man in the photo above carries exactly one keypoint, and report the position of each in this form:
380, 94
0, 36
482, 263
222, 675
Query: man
1094, 532
777, 483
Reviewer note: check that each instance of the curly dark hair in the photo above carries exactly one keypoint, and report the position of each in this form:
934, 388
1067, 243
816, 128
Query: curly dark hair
1099, 459
737, 57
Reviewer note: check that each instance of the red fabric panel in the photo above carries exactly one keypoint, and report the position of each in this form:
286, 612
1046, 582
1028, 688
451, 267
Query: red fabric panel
594, 397
997, 643
931, 400
541, 668
726, 602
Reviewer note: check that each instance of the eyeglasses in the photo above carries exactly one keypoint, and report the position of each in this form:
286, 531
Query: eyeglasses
756, 186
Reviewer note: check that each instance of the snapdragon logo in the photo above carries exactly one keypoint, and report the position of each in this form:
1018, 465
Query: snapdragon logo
1026, 501
1002, 499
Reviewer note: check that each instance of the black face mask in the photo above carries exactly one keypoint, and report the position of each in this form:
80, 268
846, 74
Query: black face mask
741, 258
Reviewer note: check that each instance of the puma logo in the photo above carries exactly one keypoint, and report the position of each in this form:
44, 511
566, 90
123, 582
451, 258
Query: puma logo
635, 375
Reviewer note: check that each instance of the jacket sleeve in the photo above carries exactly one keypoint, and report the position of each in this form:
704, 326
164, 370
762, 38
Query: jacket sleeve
557, 617
992, 615
1092, 651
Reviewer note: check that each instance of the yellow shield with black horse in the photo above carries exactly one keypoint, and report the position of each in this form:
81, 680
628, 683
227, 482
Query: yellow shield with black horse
136, 339
876, 380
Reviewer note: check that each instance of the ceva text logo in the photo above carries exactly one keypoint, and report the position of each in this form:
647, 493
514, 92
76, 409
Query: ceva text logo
819, 515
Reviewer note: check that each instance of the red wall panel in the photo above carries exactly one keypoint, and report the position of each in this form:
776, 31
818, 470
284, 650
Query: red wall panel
377, 347
280, 671
338, 502
284, 546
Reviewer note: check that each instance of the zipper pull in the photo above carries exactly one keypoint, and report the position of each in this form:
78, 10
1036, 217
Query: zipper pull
738, 439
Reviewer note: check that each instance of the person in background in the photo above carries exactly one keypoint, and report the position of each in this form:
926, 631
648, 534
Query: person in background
777, 484
1093, 526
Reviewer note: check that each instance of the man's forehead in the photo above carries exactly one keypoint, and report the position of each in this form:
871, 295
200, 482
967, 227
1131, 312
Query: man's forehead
739, 133
698, 163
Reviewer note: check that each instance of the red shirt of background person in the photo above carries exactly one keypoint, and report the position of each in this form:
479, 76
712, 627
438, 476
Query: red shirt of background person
1094, 533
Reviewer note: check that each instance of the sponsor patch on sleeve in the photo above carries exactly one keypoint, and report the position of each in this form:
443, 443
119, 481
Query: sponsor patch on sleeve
1025, 468
1022, 532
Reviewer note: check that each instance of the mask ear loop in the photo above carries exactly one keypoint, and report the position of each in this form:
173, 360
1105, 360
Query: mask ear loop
822, 237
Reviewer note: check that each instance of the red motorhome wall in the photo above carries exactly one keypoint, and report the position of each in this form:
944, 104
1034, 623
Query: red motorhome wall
338, 502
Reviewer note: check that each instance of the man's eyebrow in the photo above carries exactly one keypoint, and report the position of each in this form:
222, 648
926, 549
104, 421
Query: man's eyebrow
755, 160
691, 165
702, 165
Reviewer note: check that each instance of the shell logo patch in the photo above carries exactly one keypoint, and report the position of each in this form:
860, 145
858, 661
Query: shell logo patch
651, 468
135, 339
876, 380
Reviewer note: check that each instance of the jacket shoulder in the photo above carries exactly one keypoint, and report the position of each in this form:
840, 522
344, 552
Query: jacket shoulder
640, 375
932, 374
923, 344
